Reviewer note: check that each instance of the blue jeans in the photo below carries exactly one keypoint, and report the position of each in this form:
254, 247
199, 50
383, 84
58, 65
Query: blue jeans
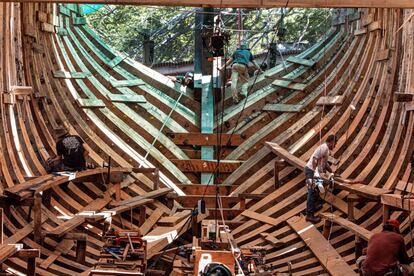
312, 193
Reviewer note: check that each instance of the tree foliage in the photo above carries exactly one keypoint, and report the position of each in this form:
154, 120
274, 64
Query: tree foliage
172, 28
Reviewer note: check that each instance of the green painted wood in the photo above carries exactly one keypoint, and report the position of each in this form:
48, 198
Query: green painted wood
72, 7
115, 61
64, 10
123, 126
71, 75
280, 120
283, 107
61, 31
181, 109
79, 21
185, 111
127, 98
289, 85
89, 103
207, 123
126, 83
301, 61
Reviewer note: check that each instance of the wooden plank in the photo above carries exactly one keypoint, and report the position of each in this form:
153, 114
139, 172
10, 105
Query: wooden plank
374, 26
61, 31
195, 165
403, 97
90, 103
321, 248
289, 85
79, 21
354, 228
66, 227
9, 98
272, 240
62, 248
398, 201
8, 250
360, 32
156, 246
173, 220
254, 3
42, 16
201, 139
383, 55
283, 107
115, 61
21, 90
71, 75
63, 10
129, 206
403, 186
46, 27
301, 61
122, 98
126, 83
368, 19
153, 194
261, 218
151, 221
330, 100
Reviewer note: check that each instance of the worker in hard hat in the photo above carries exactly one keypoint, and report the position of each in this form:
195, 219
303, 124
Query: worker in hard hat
239, 69
386, 254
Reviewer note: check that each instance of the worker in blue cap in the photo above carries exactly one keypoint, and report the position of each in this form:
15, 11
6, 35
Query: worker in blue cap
239, 70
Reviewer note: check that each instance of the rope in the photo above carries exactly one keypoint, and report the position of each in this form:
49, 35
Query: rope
239, 26
162, 127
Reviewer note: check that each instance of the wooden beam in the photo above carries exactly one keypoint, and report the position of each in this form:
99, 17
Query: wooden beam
196, 165
201, 139
403, 97
250, 3
398, 201
283, 107
321, 248
330, 100
354, 228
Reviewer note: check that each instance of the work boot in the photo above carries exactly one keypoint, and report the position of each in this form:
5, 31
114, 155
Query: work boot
313, 219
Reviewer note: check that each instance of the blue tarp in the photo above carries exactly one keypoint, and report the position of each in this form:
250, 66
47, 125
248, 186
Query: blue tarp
90, 8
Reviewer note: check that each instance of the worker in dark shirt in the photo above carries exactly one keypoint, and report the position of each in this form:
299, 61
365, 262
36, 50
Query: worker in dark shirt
71, 152
386, 254
239, 70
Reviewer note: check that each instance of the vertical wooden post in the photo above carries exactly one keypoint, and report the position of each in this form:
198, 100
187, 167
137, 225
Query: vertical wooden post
117, 191
242, 203
194, 227
81, 251
351, 215
157, 179
37, 218
358, 247
142, 215
385, 213
279, 164
326, 228
1, 225
31, 266
46, 198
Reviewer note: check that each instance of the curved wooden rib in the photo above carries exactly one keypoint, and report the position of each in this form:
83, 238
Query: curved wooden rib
374, 143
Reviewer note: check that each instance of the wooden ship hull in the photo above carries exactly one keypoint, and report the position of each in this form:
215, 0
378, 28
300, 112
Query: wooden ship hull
56, 71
